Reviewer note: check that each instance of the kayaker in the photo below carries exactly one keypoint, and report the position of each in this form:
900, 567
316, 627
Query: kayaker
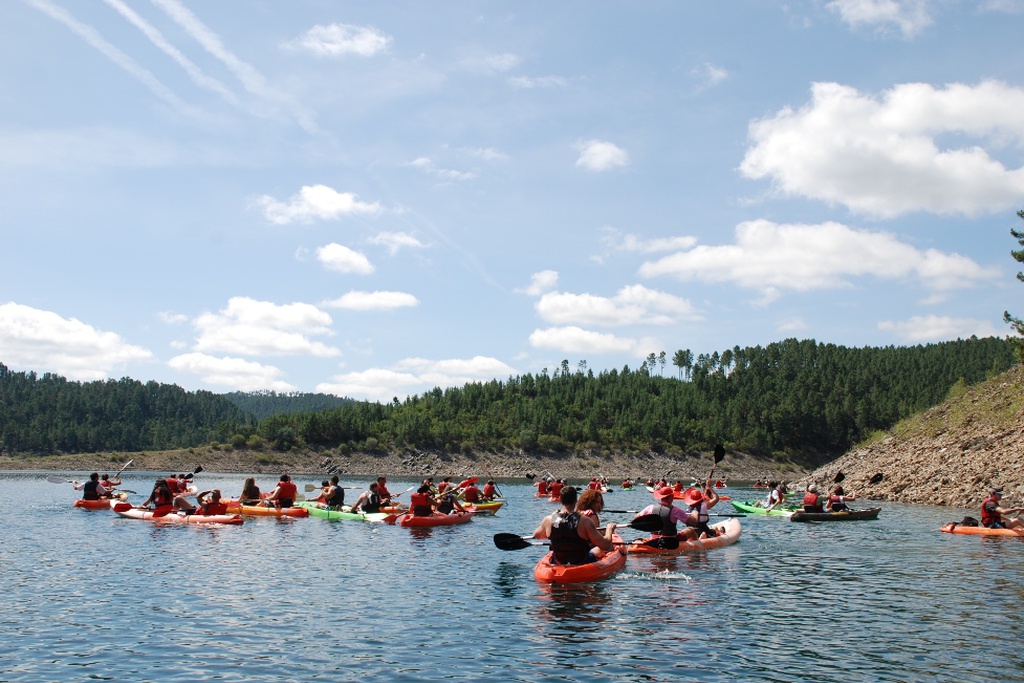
382, 490
590, 504
573, 535
812, 500
448, 503
776, 496
995, 517
422, 503
445, 485
369, 501
250, 493
542, 487
283, 494
107, 485
209, 503
471, 494
163, 499
90, 489
334, 494
490, 490
700, 505
669, 513
555, 488
429, 482
837, 500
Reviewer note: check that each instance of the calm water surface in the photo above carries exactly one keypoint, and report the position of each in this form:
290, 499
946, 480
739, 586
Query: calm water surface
90, 596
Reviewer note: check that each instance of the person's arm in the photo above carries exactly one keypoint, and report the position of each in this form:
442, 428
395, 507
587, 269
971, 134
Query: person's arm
591, 534
711, 496
544, 530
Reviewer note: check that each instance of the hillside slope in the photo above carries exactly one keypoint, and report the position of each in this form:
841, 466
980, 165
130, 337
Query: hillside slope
948, 455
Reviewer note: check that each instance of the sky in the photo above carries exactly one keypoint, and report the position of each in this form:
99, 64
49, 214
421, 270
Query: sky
374, 199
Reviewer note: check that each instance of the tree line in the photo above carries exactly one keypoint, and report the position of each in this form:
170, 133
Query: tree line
801, 399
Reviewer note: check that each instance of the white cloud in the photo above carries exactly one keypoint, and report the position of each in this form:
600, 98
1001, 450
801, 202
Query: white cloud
614, 240
395, 241
528, 82
791, 325
172, 318
315, 202
42, 341
881, 156
633, 305
809, 257
340, 258
415, 375
935, 328
710, 74
427, 165
253, 328
540, 282
373, 301
573, 339
908, 16
236, 374
598, 155
332, 40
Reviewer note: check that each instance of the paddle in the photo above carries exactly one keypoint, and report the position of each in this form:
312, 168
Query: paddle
197, 470
875, 479
118, 475
719, 457
513, 542
55, 479
626, 512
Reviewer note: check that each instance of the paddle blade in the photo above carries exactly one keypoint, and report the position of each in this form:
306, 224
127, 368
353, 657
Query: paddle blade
510, 542
198, 469
838, 478
876, 479
650, 522
54, 479
719, 453
662, 543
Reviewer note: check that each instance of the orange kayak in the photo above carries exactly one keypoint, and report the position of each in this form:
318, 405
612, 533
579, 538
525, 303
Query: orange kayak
956, 528
131, 512
611, 563
234, 507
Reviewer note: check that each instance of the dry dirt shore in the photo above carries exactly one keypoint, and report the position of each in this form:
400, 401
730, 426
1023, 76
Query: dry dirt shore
736, 467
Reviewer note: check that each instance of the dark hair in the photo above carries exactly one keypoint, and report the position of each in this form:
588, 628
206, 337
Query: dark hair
568, 497
423, 489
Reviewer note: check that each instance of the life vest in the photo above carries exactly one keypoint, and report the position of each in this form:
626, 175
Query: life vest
812, 503
555, 489
337, 498
286, 492
472, 494
175, 485
163, 498
446, 504
703, 517
566, 544
989, 516
668, 527
372, 503
542, 488
420, 504
90, 490
490, 490
210, 509
836, 504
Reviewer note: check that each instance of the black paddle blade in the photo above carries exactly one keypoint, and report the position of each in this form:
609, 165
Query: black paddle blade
876, 479
662, 543
719, 453
650, 522
838, 478
510, 542
198, 469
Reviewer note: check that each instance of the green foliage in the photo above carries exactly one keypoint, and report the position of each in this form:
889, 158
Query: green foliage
1016, 323
264, 404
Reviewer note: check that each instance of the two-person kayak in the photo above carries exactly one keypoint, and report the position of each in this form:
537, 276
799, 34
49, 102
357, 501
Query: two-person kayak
174, 517
751, 508
324, 512
728, 533
609, 564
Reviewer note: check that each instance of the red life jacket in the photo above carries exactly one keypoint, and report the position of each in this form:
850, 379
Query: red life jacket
812, 503
420, 504
989, 517
214, 509
472, 494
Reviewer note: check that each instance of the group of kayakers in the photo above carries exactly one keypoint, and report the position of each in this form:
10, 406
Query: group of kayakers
97, 487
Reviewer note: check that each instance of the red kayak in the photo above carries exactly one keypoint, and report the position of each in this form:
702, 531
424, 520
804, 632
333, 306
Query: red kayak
435, 519
611, 563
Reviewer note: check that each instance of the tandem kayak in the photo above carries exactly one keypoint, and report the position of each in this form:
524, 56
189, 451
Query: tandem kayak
750, 508
127, 510
324, 512
264, 511
957, 528
728, 533
611, 563
845, 516
435, 519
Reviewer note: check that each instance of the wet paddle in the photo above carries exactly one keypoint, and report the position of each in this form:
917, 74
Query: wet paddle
633, 512
514, 542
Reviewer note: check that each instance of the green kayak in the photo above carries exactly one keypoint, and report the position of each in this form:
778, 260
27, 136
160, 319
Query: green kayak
317, 510
750, 508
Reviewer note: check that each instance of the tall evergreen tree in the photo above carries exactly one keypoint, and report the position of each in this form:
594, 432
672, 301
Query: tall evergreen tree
1016, 323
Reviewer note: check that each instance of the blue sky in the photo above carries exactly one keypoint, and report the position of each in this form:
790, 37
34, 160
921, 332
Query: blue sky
372, 199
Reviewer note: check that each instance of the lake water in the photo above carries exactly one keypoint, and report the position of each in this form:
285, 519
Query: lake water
90, 596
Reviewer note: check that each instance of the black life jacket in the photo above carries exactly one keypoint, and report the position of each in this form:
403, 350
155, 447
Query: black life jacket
372, 503
668, 527
337, 499
566, 543
89, 491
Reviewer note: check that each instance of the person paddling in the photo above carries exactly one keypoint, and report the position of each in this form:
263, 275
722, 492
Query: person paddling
995, 517
283, 494
669, 513
700, 505
422, 503
369, 501
572, 535
90, 489
813, 501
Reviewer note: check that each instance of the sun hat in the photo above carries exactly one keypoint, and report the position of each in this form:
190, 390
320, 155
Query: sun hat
663, 493
692, 496
997, 491
812, 488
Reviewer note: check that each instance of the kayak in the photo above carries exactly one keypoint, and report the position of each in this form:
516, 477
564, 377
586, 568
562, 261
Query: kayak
749, 508
488, 507
845, 516
101, 504
957, 528
728, 533
126, 510
611, 563
264, 511
319, 510
435, 519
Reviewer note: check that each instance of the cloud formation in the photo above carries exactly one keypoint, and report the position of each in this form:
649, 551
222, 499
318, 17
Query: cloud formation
937, 328
373, 301
237, 374
249, 327
415, 375
334, 40
340, 258
599, 155
42, 341
633, 305
909, 17
881, 156
315, 202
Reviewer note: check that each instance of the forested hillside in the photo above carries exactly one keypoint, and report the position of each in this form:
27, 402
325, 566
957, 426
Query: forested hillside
263, 404
799, 398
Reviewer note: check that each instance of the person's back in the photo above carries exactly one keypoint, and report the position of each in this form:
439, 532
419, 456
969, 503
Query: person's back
336, 497
566, 543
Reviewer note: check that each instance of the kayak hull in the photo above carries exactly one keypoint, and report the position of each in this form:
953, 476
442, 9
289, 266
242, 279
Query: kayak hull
323, 512
264, 511
435, 519
749, 508
847, 516
484, 508
729, 533
608, 565
956, 528
126, 510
